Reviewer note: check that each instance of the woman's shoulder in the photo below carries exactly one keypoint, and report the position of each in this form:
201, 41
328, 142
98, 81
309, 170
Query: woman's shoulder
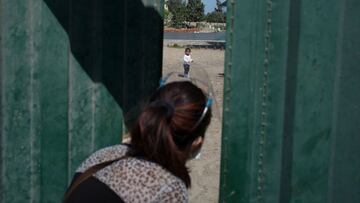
102, 155
175, 191
140, 180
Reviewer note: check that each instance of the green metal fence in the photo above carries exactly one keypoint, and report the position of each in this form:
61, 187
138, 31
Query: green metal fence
291, 105
68, 71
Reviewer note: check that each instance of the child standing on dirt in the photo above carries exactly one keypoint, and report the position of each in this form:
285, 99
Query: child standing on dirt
187, 61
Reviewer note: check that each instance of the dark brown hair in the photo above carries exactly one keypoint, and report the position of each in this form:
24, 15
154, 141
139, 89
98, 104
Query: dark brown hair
164, 131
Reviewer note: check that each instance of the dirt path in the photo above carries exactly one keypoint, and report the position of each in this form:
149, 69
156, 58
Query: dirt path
204, 171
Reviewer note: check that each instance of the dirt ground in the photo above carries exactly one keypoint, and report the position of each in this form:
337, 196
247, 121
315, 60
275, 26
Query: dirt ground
204, 171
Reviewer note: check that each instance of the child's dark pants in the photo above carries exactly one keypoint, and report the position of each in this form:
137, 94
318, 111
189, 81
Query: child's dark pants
186, 69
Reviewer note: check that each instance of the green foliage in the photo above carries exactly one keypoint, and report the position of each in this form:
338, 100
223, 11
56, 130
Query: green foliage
174, 4
216, 17
167, 17
178, 11
195, 11
175, 45
166, 14
219, 7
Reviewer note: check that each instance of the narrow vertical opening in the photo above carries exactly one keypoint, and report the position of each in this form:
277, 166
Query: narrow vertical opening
199, 25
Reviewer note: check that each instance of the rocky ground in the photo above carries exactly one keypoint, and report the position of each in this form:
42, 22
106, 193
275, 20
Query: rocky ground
204, 171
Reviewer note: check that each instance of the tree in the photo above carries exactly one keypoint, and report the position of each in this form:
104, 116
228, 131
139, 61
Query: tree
167, 17
174, 4
217, 16
218, 6
195, 11
178, 10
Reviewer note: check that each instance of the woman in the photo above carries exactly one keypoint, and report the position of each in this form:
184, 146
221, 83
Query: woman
169, 131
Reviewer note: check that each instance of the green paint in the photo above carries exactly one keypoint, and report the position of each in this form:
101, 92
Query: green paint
313, 101
345, 163
53, 104
15, 113
80, 115
64, 85
290, 111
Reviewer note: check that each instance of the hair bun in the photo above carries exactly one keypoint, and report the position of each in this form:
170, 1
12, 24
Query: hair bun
163, 104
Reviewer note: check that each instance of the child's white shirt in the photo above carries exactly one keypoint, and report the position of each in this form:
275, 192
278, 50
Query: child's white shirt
187, 59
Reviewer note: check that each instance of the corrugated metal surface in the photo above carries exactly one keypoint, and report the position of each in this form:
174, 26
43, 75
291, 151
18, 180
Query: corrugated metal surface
68, 70
291, 107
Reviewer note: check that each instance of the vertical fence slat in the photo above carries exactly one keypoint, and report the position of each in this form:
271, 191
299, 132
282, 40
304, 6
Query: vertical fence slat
53, 76
290, 112
238, 117
64, 83
83, 58
274, 87
345, 163
314, 104
80, 115
35, 107
15, 105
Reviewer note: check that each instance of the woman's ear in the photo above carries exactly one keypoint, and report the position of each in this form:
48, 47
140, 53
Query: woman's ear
196, 144
195, 148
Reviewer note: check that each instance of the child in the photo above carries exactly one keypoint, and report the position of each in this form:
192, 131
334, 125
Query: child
187, 61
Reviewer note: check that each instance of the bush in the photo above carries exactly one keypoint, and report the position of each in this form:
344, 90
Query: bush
216, 17
195, 11
178, 11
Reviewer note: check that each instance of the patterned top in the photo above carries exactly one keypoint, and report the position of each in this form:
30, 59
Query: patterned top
134, 179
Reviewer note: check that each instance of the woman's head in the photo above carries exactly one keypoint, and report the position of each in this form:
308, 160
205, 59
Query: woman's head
168, 130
